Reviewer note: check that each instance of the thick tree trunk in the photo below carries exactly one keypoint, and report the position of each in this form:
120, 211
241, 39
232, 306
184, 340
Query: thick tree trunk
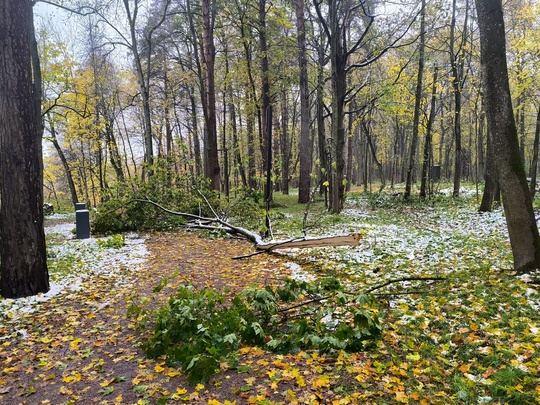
338, 60
303, 144
23, 255
517, 202
266, 141
212, 170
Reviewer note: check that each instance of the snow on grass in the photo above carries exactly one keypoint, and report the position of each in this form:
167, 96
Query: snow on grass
82, 259
298, 274
422, 241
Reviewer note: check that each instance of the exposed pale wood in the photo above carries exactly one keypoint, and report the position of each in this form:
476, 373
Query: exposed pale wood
324, 241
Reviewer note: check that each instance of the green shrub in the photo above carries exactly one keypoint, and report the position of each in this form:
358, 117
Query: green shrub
120, 212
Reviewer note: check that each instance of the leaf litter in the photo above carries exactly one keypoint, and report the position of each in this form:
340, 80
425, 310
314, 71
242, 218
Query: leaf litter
472, 338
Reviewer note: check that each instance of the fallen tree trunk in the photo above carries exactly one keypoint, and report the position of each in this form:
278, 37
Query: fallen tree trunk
323, 241
216, 223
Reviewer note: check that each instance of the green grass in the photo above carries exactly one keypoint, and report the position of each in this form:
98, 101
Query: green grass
473, 336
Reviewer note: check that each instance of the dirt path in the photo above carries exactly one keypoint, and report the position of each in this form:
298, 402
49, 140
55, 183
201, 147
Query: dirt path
79, 347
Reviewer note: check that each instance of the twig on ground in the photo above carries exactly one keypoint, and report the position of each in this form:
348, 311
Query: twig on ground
398, 280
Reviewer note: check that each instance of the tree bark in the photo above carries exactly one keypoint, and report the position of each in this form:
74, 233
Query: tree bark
23, 254
521, 223
429, 137
285, 143
304, 143
266, 141
534, 163
457, 62
418, 100
324, 161
212, 170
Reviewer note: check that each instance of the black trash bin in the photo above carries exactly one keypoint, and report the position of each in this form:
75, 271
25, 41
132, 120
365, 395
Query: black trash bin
82, 220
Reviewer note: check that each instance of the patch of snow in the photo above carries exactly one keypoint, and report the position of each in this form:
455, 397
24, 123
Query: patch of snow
62, 229
88, 258
297, 272
60, 216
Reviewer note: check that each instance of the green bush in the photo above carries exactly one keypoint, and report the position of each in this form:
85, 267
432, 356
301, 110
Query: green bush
120, 212
247, 209
197, 331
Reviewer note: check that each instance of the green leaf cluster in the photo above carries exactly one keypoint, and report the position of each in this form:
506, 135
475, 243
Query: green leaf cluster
114, 242
198, 331
119, 211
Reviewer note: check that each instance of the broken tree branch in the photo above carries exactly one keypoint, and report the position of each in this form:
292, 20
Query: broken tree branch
206, 223
399, 280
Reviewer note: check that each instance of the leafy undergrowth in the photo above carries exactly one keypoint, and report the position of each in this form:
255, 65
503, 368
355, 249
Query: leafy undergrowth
468, 339
196, 331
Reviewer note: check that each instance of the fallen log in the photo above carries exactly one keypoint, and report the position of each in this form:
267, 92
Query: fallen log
308, 242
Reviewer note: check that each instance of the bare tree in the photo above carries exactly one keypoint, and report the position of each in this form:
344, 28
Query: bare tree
336, 19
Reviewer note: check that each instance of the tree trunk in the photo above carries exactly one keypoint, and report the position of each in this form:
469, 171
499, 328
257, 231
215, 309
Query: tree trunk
23, 255
142, 79
212, 170
250, 128
325, 167
417, 101
457, 62
65, 164
371, 146
285, 143
350, 138
232, 119
112, 146
429, 138
304, 143
521, 223
534, 164
338, 59
266, 141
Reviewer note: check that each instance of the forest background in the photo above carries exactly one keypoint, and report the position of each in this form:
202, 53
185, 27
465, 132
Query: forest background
129, 95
